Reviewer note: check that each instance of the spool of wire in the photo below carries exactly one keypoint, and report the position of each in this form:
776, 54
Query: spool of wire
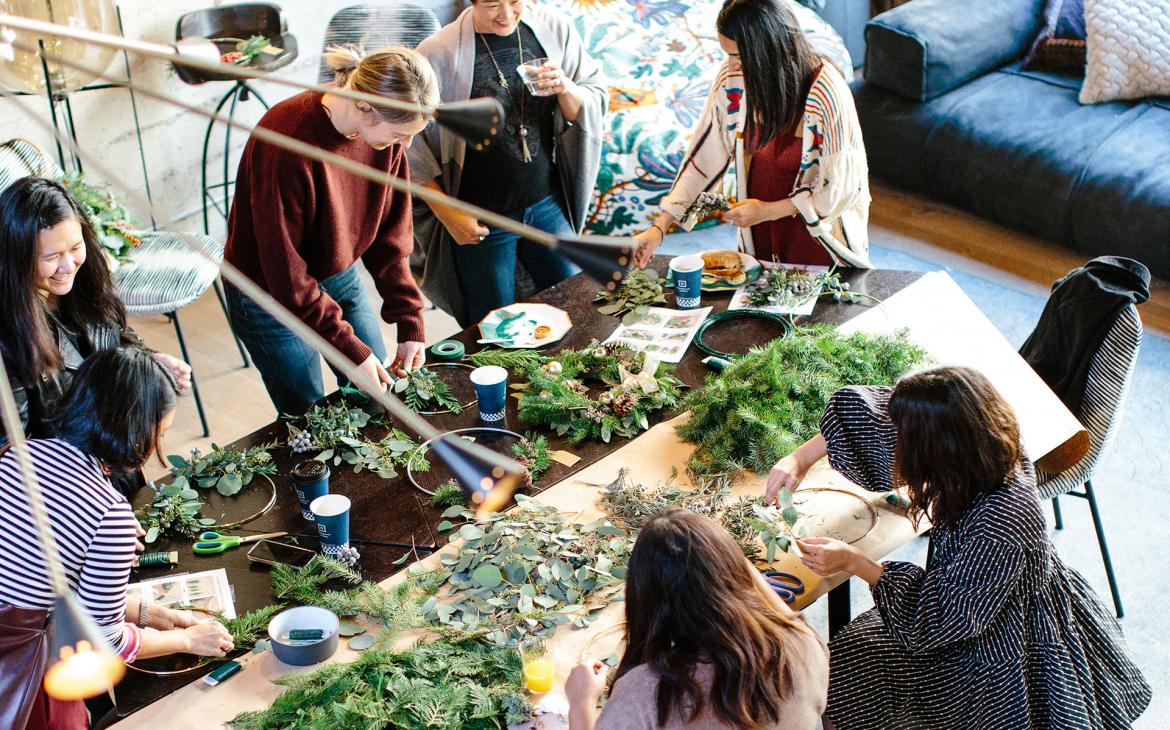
150, 560
448, 350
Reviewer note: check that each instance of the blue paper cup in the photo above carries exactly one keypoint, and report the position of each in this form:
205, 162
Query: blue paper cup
332, 516
311, 480
687, 272
491, 390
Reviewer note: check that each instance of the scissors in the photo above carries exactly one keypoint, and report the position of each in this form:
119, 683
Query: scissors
786, 585
211, 543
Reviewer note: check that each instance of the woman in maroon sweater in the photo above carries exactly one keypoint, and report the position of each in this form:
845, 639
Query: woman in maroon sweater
298, 227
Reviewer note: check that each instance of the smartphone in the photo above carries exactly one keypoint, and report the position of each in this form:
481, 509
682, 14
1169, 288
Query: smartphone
270, 552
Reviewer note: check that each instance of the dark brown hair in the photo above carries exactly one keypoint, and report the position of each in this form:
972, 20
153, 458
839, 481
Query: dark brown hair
691, 596
957, 438
779, 65
29, 206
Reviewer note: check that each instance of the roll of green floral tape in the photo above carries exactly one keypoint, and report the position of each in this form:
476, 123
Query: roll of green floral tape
447, 350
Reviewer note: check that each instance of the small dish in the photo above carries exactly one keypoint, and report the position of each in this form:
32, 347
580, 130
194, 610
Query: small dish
524, 325
302, 654
751, 269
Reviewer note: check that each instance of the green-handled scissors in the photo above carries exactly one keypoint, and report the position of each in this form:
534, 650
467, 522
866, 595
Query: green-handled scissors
211, 543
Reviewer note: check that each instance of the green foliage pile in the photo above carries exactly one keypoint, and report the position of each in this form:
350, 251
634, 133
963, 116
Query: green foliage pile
112, 222
528, 571
422, 390
510, 359
228, 470
336, 429
557, 393
533, 453
765, 404
640, 289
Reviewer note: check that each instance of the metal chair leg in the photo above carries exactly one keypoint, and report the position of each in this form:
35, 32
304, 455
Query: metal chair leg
1056, 513
174, 317
223, 306
1104, 547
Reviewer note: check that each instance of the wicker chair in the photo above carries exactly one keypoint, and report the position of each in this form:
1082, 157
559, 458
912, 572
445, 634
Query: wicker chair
1110, 374
165, 274
373, 26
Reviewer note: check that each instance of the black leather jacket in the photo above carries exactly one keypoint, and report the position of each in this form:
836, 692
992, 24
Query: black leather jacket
37, 401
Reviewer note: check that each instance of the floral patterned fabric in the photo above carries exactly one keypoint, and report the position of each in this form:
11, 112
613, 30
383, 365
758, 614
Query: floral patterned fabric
659, 57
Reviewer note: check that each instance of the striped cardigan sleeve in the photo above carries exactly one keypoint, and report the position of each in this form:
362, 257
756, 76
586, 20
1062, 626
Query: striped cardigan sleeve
860, 437
102, 582
835, 175
711, 152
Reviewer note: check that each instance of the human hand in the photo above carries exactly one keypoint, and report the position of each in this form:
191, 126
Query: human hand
164, 619
139, 533
647, 242
373, 375
787, 473
747, 213
178, 369
551, 80
585, 684
208, 638
409, 356
465, 229
825, 556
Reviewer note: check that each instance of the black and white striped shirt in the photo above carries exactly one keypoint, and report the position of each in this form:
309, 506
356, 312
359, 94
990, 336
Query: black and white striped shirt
94, 529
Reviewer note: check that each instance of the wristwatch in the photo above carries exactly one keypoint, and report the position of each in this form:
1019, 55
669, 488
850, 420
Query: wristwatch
143, 613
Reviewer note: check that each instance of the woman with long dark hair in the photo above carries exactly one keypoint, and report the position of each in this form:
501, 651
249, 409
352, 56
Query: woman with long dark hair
783, 118
995, 631
109, 422
59, 302
708, 643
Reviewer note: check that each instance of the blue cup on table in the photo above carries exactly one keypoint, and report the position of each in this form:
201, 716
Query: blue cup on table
491, 390
687, 272
331, 514
310, 480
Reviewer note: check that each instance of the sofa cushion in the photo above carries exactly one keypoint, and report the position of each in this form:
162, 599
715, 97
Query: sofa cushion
1128, 50
928, 47
1017, 148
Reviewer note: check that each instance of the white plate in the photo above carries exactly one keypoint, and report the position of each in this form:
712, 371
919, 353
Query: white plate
514, 326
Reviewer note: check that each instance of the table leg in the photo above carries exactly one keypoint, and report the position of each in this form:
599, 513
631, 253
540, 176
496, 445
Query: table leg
839, 608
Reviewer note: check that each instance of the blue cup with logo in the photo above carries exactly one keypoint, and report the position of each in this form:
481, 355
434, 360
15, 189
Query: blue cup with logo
687, 272
331, 513
491, 390
310, 480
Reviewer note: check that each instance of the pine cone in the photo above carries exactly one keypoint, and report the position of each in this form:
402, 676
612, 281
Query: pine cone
624, 404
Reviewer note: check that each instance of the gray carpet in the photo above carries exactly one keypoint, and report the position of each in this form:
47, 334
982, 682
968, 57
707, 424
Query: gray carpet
1131, 485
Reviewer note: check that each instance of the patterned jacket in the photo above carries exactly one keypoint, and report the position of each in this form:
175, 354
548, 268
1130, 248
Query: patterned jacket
832, 189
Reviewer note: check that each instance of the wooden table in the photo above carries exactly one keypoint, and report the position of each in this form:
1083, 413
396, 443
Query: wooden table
390, 516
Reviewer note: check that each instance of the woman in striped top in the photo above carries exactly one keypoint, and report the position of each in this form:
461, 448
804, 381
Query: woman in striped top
110, 421
996, 632
783, 117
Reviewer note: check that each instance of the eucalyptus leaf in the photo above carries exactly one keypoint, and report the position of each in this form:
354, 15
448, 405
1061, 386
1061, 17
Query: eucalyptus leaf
487, 576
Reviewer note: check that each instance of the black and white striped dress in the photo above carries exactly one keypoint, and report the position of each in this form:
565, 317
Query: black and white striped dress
995, 633
94, 529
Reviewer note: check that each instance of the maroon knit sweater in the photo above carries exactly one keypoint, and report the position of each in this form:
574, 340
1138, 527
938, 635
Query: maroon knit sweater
295, 222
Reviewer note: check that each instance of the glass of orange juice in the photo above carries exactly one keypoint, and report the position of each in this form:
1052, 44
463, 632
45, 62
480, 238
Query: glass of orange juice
539, 666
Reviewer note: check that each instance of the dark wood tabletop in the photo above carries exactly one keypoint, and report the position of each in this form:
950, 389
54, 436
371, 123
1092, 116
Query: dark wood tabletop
389, 517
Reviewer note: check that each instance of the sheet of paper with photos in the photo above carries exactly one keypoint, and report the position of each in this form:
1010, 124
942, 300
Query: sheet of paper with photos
206, 593
663, 333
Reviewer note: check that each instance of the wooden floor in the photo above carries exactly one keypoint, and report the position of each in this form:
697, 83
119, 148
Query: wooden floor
236, 403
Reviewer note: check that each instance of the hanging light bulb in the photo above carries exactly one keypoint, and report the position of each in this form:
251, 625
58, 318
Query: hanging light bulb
81, 662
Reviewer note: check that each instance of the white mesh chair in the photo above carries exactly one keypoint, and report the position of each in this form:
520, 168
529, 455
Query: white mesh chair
164, 275
1110, 374
373, 26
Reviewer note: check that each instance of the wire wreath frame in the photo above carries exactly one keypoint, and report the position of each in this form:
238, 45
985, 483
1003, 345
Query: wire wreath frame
464, 406
734, 314
870, 509
427, 444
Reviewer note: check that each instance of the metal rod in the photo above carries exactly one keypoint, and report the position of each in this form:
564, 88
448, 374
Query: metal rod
315, 153
171, 54
407, 417
19, 446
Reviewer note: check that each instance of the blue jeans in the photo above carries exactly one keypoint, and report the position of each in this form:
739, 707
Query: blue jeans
290, 368
487, 270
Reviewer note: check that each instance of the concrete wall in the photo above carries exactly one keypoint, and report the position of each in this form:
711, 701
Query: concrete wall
173, 138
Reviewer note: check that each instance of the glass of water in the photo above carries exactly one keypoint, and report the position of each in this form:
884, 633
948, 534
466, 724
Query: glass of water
528, 71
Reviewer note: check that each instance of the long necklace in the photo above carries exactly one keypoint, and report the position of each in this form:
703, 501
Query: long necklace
504, 85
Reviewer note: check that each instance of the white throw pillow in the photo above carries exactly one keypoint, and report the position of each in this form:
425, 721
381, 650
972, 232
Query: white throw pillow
1128, 43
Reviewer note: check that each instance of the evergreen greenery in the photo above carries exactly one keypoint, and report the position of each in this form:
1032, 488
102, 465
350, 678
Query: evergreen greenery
557, 394
423, 390
112, 222
533, 453
449, 494
765, 404
511, 359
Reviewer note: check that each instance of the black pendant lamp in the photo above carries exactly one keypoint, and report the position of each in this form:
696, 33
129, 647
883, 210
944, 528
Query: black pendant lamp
605, 258
478, 121
487, 478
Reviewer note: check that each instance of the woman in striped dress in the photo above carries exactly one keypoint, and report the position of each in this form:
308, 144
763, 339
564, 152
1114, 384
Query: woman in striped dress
782, 117
96, 435
996, 632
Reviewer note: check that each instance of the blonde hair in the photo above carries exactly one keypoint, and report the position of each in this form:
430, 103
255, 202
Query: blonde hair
395, 72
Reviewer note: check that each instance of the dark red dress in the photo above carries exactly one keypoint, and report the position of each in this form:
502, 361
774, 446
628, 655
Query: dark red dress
771, 177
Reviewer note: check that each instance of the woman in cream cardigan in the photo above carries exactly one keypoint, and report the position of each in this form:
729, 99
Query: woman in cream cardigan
801, 178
